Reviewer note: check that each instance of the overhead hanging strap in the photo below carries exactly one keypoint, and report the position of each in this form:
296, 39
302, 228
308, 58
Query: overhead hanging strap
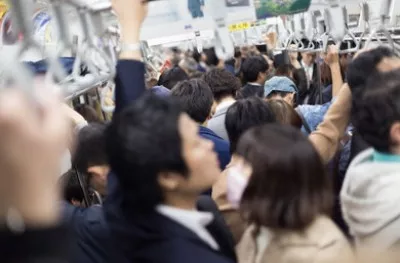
382, 27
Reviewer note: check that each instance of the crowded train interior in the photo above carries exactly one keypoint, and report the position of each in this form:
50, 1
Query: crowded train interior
199, 131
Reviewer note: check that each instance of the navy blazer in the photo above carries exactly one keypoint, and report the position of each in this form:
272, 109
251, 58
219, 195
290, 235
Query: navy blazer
221, 147
94, 243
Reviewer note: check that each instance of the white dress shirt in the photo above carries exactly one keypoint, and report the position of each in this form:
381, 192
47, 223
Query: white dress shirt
309, 71
193, 220
254, 83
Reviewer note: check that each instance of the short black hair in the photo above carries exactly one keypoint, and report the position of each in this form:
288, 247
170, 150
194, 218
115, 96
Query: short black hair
222, 83
142, 141
245, 114
365, 65
90, 147
360, 69
71, 187
195, 98
212, 59
252, 66
288, 187
379, 109
172, 76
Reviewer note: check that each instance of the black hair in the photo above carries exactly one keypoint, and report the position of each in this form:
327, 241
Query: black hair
365, 65
195, 98
360, 69
212, 59
238, 53
244, 114
252, 66
171, 77
143, 141
288, 188
71, 187
196, 55
222, 83
90, 147
379, 109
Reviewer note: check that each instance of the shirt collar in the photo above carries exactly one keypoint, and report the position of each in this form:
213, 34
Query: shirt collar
193, 220
254, 83
386, 157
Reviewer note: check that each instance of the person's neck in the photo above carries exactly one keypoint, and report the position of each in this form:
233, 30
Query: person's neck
226, 99
181, 201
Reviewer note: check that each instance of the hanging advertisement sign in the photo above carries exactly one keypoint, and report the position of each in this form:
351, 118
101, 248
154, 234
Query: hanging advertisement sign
271, 8
179, 17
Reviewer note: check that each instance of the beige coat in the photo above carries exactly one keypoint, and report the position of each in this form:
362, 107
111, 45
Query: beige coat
325, 139
321, 242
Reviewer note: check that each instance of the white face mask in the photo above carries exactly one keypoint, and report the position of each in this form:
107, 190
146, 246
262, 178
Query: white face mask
236, 184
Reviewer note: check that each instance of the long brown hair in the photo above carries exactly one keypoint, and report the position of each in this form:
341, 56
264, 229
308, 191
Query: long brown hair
288, 187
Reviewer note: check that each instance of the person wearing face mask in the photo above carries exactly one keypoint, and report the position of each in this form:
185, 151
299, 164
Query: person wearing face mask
241, 116
286, 200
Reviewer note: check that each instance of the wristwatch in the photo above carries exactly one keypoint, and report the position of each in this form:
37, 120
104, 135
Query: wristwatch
130, 47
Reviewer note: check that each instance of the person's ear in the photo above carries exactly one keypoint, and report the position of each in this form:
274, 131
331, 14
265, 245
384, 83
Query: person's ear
395, 133
99, 171
169, 181
76, 202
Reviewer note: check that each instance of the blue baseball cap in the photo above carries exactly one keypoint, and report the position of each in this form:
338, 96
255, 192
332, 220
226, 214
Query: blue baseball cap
279, 83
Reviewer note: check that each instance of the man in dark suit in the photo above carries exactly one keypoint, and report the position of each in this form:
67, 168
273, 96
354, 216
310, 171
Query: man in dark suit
160, 166
255, 72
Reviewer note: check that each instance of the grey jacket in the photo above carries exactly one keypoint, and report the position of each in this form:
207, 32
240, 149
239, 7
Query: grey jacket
370, 199
217, 122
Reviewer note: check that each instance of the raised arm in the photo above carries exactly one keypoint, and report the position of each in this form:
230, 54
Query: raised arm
328, 134
130, 82
332, 59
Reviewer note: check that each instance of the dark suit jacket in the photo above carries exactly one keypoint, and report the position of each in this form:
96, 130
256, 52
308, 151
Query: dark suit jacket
218, 228
153, 237
35, 245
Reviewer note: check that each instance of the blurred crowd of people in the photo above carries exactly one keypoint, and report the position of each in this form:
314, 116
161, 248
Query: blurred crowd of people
266, 157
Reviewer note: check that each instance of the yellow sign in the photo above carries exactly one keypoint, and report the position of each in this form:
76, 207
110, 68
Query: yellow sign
239, 26
3, 8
